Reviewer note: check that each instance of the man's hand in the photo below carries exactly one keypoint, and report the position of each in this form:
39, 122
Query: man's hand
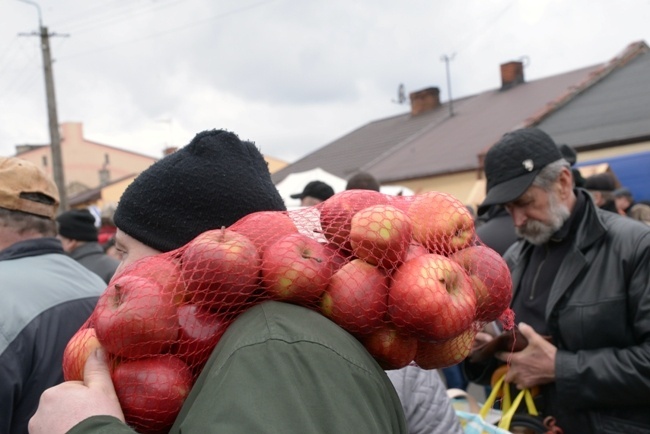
534, 365
64, 406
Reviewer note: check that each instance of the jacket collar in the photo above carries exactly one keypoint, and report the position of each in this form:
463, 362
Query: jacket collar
590, 229
591, 226
32, 247
86, 249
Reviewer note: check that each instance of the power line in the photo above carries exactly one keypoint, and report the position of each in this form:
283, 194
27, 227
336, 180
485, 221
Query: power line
471, 37
169, 31
83, 13
117, 16
8, 49
21, 73
11, 55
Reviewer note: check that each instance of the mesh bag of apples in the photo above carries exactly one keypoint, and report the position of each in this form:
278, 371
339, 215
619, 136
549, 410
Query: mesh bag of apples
406, 276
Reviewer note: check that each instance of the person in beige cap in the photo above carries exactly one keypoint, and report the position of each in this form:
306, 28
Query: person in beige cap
47, 295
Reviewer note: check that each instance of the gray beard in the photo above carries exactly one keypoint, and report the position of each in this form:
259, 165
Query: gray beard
538, 232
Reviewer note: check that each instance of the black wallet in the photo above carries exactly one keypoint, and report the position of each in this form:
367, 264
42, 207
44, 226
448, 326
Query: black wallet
508, 341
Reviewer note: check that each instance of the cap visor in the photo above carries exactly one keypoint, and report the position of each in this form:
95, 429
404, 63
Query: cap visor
296, 196
509, 190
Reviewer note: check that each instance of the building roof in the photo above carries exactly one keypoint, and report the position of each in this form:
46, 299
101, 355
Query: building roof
615, 111
95, 194
434, 143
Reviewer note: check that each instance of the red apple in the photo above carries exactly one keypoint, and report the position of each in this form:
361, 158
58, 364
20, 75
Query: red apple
264, 228
441, 223
79, 347
491, 280
221, 269
296, 269
307, 220
415, 250
391, 348
164, 269
380, 235
151, 391
337, 211
400, 202
136, 317
336, 257
356, 297
431, 297
436, 355
199, 332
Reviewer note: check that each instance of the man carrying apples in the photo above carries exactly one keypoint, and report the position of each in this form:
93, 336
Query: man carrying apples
46, 295
278, 367
580, 275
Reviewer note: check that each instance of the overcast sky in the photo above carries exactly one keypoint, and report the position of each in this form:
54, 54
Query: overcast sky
291, 75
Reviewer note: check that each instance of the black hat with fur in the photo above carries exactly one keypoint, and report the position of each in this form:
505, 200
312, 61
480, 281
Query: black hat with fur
212, 182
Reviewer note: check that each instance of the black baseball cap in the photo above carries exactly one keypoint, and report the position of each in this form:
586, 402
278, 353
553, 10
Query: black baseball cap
513, 162
316, 189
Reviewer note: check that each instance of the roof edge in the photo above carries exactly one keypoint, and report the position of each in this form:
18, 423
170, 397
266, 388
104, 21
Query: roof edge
630, 52
425, 175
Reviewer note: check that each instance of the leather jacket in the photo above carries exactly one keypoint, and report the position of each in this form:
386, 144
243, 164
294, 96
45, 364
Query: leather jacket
598, 313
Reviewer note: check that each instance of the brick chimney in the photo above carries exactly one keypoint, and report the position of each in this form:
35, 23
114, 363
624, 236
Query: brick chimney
72, 132
169, 150
512, 74
424, 100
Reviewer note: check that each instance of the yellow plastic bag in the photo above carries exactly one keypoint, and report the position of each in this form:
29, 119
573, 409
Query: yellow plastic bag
510, 419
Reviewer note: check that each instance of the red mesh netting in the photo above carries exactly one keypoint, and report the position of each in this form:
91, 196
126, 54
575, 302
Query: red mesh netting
405, 275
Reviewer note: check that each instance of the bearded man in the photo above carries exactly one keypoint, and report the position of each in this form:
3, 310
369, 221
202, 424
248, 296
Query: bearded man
580, 275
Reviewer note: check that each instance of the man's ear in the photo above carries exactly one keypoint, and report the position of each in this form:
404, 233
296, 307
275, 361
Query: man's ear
565, 183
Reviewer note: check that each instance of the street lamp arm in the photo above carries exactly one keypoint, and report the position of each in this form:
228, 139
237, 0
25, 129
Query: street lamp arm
40, 20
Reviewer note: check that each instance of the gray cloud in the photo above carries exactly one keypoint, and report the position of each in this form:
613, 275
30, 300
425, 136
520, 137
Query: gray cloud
292, 75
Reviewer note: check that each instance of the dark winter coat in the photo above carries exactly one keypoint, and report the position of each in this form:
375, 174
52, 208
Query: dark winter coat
46, 297
598, 313
92, 256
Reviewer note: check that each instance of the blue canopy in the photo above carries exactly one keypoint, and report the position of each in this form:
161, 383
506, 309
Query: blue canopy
633, 170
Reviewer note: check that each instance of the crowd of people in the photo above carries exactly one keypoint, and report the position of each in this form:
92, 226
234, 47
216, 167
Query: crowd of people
580, 267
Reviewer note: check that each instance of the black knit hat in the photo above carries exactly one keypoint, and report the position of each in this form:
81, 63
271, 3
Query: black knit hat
212, 182
77, 224
513, 162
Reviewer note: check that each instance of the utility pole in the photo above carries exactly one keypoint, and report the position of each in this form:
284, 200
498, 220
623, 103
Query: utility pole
448, 59
55, 137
